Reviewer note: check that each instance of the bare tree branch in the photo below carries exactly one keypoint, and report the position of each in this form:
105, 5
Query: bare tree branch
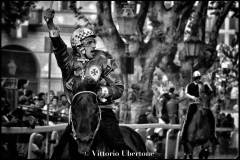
179, 6
142, 15
106, 28
198, 23
118, 6
184, 10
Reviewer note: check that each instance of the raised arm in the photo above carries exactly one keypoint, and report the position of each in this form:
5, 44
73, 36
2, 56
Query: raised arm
59, 47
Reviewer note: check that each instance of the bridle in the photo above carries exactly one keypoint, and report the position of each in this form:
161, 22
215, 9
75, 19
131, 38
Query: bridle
70, 116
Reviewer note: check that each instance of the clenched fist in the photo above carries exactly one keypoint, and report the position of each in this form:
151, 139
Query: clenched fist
49, 15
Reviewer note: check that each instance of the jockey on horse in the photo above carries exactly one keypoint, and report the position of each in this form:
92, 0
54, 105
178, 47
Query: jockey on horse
84, 62
192, 92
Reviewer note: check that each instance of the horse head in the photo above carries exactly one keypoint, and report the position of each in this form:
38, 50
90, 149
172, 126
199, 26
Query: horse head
85, 113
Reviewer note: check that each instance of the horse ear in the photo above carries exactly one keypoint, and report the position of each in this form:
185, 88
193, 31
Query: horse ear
76, 84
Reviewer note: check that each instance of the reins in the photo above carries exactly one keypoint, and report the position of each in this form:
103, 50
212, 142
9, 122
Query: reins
70, 116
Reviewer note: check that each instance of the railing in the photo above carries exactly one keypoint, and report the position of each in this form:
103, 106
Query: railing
59, 127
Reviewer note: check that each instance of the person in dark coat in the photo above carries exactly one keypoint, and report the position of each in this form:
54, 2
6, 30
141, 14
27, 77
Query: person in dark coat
192, 91
84, 62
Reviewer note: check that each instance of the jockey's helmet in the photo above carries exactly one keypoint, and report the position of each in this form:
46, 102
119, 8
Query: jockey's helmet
79, 35
196, 74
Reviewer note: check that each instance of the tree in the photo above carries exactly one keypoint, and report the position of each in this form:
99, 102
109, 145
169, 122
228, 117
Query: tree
170, 21
15, 12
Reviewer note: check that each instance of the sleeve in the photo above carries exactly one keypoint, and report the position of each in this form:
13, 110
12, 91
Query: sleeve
114, 85
60, 51
187, 92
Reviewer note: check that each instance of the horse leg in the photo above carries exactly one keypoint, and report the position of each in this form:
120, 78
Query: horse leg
190, 147
204, 153
201, 153
188, 150
185, 150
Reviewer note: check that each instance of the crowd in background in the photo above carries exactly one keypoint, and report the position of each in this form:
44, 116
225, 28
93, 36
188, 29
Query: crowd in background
33, 107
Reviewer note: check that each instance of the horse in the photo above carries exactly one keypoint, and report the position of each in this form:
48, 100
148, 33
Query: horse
81, 137
198, 130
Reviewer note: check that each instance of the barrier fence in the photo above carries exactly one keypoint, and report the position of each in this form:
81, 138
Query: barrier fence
59, 127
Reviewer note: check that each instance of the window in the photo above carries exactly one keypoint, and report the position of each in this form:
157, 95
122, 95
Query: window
65, 5
55, 84
56, 75
43, 59
88, 6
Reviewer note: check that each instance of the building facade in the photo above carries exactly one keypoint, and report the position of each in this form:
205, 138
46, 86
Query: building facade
31, 42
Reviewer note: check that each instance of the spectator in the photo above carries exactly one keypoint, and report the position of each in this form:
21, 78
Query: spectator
64, 105
35, 100
22, 100
43, 96
171, 92
5, 105
53, 106
150, 143
22, 86
163, 102
134, 92
54, 103
29, 96
234, 95
173, 107
51, 95
36, 148
216, 109
183, 115
41, 103
156, 106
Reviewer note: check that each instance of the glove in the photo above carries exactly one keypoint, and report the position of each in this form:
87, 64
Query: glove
103, 92
49, 15
197, 100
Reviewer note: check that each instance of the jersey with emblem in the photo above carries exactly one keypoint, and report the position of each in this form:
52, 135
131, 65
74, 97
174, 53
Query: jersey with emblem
102, 68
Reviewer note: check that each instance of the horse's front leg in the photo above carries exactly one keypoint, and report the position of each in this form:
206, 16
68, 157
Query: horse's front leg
188, 151
204, 153
61, 152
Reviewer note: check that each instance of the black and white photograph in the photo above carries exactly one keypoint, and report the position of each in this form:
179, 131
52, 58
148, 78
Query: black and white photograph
113, 80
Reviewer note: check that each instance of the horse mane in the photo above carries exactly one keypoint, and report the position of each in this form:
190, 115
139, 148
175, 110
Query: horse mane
87, 84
